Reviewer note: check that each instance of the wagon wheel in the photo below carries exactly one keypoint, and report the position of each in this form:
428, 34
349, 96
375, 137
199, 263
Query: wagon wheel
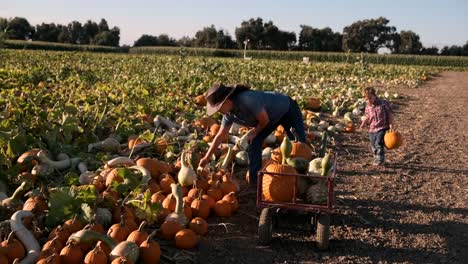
323, 231
265, 226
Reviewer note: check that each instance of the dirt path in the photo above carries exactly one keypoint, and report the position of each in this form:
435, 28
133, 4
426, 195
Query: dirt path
415, 210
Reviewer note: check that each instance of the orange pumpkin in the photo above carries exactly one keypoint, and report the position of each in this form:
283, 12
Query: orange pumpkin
300, 149
13, 248
204, 122
232, 199
200, 208
165, 183
138, 236
150, 251
96, 256
223, 208
169, 203
186, 239
120, 231
161, 145
169, 229
312, 103
158, 197
349, 128
71, 254
200, 100
199, 226
276, 187
134, 140
393, 139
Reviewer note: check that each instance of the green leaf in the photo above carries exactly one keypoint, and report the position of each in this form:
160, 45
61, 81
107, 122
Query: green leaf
62, 206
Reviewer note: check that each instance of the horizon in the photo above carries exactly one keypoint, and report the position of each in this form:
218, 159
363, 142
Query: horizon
185, 18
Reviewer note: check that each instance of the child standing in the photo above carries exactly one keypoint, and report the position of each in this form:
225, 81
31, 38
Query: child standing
379, 116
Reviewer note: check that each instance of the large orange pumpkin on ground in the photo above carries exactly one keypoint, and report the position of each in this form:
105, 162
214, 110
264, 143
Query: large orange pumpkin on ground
393, 139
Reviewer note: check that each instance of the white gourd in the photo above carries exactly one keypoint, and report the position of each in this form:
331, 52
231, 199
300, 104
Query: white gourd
186, 174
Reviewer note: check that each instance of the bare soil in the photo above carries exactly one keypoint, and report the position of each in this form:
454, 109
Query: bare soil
413, 210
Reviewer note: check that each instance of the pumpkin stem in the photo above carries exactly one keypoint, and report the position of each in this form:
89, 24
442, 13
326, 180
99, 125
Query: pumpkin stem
142, 225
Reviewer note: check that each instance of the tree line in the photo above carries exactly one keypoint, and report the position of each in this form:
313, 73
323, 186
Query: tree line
89, 33
367, 35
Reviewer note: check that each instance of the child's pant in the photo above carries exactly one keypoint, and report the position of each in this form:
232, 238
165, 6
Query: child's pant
377, 144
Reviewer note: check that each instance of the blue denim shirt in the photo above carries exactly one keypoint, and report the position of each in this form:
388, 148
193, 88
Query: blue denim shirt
248, 104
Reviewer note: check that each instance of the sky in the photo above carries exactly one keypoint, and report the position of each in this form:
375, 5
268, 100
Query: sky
437, 22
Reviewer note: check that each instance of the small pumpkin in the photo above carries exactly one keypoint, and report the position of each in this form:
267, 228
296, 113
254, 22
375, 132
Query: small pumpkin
200, 100
138, 236
150, 251
73, 225
393, 139
186, 239
200, 207
61, 233
169, 229
312, 103
165, 183
96, 256
215, 192
119, 231
232, 200
53, 245
50, 259
71, 254
199, 226
13, 248
223, 208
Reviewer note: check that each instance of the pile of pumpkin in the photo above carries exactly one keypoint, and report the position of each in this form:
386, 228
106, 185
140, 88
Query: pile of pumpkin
187, 197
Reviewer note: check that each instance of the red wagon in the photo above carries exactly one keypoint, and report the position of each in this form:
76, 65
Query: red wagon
321, 212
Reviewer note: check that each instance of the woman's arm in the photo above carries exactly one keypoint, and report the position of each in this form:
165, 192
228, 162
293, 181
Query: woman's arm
222, 133
263, 120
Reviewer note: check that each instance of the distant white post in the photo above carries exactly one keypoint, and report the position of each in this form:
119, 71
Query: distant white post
245, 48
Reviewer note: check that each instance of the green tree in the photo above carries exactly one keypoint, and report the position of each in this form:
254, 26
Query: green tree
264, 35
46, 32
207, 37
76, 32
107, 38
210, 37
3, 24
369, 35
453, 50
90, 30
430, 51
465, 49
251, 30
165, 40
319, 39
19, 28
146, 40
186, 41
102, 27
64, 34
409, 43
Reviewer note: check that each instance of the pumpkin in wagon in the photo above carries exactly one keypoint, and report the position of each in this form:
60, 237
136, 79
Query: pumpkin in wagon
275, 187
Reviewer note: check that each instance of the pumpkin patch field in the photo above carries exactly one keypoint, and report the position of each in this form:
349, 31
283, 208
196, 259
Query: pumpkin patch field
99, 155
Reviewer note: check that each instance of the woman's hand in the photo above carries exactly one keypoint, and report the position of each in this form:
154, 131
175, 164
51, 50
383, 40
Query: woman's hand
203, 162
251, 135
